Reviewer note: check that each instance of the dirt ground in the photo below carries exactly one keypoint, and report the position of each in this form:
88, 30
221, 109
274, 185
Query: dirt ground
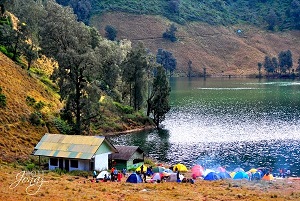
16, 184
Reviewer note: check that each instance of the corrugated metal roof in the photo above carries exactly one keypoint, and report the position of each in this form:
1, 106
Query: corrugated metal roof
125, 152
68, 146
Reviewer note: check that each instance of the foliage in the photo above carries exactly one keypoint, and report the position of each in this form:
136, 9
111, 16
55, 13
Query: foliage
2, 99
111, 33
62, 126
158, 102
166, 59
36, 118
170, 33
124, 108
285, 61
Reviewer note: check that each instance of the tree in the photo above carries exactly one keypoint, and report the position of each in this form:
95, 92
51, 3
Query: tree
190, 68
133, 75
166, 59
268, 65
298, 67
271, 19
158, 102
170, 33
110, 33
295, 13
174, 6
70, 43
259, 66
285, 61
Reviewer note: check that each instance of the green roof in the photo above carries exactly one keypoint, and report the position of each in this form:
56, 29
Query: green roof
71, 146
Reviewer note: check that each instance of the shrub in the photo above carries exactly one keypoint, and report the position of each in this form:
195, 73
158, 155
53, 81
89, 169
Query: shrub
35, 118
124, 108
2, 99
30, 166
30, 101
62, 126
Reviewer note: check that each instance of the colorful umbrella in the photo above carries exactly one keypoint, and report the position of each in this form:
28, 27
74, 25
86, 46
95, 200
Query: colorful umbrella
140, 167
253, 170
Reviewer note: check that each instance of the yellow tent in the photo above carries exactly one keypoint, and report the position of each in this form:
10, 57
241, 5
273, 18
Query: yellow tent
232, 174
140, 167
180, 167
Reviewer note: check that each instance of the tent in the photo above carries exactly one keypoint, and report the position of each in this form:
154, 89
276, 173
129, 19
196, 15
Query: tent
257, 175
241, 175
134, 178
268, 177
158, 169
239, 170
224, 175
138, 169
102, 174
157, 176
173, 177
167, 172
180, 167
197, 171
212, 176
207, 171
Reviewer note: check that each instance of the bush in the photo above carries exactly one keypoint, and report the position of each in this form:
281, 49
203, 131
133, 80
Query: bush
30, 166
62, 126
36, 119
124, 108
2, 99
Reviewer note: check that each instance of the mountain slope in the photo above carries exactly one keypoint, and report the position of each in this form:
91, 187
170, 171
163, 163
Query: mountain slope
17, 135
220, 49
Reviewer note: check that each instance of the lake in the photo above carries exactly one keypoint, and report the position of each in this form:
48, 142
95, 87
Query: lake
231, 122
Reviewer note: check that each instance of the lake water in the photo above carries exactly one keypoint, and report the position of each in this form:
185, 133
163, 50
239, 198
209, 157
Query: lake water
235, 122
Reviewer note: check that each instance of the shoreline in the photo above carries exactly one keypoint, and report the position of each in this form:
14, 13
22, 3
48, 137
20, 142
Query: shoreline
125, 132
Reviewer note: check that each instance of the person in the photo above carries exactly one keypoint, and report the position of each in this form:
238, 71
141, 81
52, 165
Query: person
94, 174
119, 176
178, 178
112, 176
124, 172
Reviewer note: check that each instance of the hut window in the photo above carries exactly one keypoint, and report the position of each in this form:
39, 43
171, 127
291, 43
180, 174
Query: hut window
74, 163
53, 161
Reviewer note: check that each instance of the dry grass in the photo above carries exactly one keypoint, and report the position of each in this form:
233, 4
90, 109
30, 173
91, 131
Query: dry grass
217, 48
68, 187
17, 135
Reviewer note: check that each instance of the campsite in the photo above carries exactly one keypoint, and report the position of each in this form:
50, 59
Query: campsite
57, 186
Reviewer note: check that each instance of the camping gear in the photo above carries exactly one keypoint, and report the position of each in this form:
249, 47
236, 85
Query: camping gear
239, 170
134, 178
157, 176
158, 169
167, 172
197, 171
173, 177
221, 169
257, 175
102, 174
224, 175
268, 177
241, 175
212, 176
207, 171
180, 167
252, 170
138, 169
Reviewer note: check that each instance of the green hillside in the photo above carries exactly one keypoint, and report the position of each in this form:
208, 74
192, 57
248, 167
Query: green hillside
270, 14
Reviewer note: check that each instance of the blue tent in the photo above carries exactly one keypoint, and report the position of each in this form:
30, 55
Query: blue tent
134, 178
224, 175
212, 176
241, 175
257, 175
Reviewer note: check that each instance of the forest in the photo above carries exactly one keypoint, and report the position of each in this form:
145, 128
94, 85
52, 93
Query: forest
90, 69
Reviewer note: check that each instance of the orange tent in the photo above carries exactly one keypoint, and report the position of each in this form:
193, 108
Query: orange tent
268, 177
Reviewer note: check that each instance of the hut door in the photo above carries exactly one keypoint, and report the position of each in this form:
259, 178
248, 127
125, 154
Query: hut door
67, 165
61, 163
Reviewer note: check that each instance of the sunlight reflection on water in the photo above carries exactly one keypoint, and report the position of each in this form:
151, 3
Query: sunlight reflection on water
228, 124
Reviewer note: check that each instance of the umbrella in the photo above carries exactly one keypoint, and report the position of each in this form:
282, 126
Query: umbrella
180, 167
158, 169
197, 170
140, 167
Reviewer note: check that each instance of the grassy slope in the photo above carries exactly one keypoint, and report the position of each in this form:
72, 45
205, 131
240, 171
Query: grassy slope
218, 48
17, 136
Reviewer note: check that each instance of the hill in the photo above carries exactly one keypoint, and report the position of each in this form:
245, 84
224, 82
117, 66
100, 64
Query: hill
220, 49
17, 134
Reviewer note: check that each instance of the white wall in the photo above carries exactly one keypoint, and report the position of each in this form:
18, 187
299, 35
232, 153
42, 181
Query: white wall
82, 165
101, 162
